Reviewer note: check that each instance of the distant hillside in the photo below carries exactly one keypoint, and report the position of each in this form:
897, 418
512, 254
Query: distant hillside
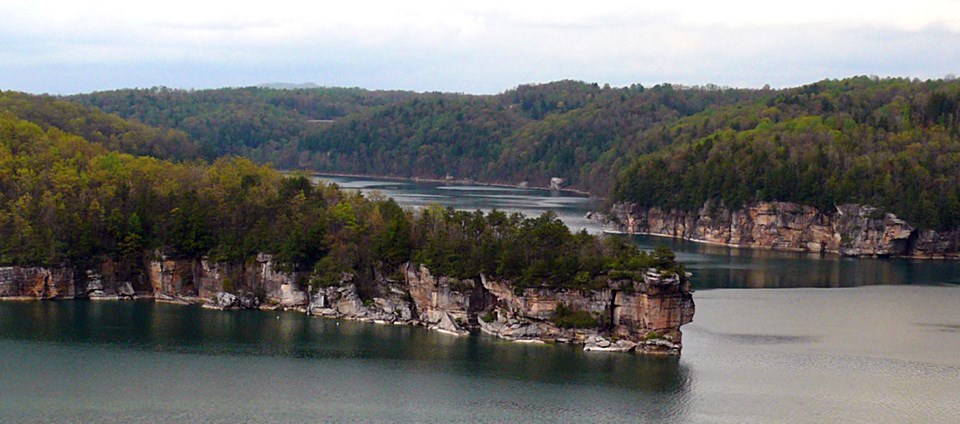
109, 130
891, 143
262, 123
574, 130
569, 129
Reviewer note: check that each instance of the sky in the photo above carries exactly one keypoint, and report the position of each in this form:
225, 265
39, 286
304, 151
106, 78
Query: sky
65, 47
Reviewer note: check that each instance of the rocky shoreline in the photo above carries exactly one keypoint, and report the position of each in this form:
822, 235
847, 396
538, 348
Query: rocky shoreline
457, 181
641, 314
850, 230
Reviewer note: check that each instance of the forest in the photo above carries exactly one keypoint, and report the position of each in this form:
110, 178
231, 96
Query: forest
887, 142
568, 129
65, 199
892, 143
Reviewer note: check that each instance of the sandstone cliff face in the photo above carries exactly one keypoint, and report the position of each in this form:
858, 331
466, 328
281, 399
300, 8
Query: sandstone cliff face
162, 278
37, 282
199, 280
631, 315
445, 303
640, 315
850, 230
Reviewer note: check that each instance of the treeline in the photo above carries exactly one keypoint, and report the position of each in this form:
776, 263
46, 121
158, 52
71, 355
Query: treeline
886, 142
64, 200
892, 143
251, 121
568, 129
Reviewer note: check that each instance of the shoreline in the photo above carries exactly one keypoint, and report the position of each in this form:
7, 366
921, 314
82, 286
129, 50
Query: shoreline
441, 180
782, 250
588, 344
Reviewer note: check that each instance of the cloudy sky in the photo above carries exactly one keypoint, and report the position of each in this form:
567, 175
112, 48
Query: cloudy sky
468, 46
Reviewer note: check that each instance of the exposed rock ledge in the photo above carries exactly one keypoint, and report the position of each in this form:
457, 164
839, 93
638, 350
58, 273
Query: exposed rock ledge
850, 230
643, 316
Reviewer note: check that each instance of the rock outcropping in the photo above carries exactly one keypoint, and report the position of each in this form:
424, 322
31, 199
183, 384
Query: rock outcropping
642, 314
850, 230
645, 315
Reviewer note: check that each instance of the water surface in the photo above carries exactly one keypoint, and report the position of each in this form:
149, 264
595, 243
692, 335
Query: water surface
777, 337
869, 354
714, 266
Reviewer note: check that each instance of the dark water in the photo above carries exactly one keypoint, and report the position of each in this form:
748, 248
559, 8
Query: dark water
713, 266
143, 362
887, 350
728, 267
871, 354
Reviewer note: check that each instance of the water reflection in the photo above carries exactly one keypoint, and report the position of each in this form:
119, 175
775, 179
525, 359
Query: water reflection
151, 326
570, 207
713, 266
728, 267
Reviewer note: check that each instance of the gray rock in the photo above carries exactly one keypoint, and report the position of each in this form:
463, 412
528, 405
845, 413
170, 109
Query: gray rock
448, 325
556, 183
125, 290
291, 296
226, 300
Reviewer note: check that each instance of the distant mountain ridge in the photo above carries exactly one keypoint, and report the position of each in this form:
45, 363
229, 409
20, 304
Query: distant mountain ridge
891, 143
288, 85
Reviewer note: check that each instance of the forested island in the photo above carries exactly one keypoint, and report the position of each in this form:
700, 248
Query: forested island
696, 162
81, 219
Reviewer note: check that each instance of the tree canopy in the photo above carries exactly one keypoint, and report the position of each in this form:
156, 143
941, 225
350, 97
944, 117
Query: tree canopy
66, 200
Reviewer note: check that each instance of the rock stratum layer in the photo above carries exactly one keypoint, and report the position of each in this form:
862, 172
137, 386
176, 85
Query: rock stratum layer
850, 230
643, 314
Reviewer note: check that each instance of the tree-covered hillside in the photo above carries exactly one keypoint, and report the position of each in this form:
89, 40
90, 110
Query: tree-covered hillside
891, 143
573, 130
251, 121
567, 129
66, 200
109, 130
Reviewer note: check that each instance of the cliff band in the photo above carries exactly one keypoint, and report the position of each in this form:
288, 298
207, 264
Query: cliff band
641, 314
850, 230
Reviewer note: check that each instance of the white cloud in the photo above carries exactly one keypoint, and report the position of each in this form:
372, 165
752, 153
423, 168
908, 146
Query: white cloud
476, 46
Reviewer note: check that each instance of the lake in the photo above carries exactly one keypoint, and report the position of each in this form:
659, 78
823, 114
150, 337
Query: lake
777, 337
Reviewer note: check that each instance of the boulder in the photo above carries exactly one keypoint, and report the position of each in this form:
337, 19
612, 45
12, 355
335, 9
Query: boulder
448, 325
291, 296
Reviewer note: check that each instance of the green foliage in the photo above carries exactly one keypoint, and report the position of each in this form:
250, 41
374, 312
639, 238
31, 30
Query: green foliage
489, 316
68, 200
111, 131
567, 317
393, 244
569, 129
530, 252
893, 144
652, 335
261, 123
227, 285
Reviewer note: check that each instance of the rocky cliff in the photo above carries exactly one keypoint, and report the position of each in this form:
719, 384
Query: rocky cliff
850, 230
642, 314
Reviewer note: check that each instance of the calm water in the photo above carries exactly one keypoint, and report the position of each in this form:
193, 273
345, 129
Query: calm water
714, 266
875, 350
